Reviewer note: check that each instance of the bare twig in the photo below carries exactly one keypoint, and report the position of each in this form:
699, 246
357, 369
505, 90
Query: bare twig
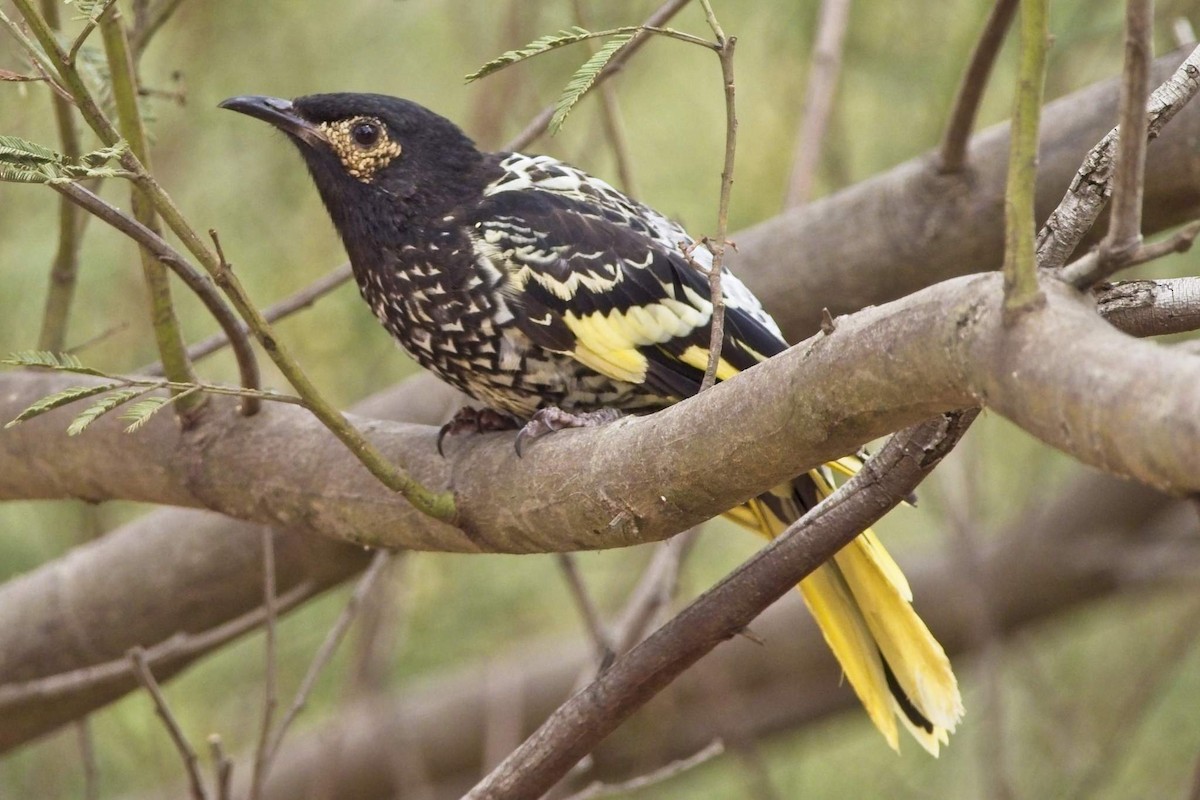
591, 714
597, 790
541, 123
818, 100
725, 47
1082, 273
180, 647
273, 313
1136, 702
272, 668
1085, 198
324, 653
960, 489
89, 26
601, 639
1125, 227
222, 768
1021, 291
201, 285
1152, 308
61, 289
952, 153
653, 592
87, 755
148, 21
191, 763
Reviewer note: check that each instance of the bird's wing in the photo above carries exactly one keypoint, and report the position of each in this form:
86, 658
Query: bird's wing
616, 293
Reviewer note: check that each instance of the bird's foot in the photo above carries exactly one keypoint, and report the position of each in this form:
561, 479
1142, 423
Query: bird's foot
551, 419
476, 420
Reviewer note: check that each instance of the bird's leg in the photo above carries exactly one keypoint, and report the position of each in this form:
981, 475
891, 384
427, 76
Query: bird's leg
479, 420
550, 419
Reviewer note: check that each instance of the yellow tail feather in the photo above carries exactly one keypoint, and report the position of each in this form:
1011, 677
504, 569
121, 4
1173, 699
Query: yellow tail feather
861, 602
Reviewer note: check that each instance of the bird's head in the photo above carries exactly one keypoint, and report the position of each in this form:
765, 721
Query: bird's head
370, 151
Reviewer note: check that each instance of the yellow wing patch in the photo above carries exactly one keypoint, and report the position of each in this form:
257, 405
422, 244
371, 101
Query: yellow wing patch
698, 357
608, 344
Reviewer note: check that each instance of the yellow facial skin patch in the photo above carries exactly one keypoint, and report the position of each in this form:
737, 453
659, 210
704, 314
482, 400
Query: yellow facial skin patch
363, 161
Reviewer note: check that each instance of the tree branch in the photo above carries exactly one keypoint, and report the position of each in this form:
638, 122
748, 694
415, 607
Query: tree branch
825, 65
643, 479
952, 153
1092, 184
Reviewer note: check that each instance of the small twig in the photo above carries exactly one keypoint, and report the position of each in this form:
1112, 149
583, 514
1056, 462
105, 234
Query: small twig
1125, 229
61, 290
273, 313
602, 641
653, 592
137, 656
180, 647
201, 285
664, 773
324, 653
148, 22
725, 48
1021, 290
1133, 707
1085, 198
272, 667
1124, 235
88, 27
818, 100
222, 768
1089, 269
541, 123
952, 153
87, 755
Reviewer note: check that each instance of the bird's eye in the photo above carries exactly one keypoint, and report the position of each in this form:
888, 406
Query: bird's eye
365, 134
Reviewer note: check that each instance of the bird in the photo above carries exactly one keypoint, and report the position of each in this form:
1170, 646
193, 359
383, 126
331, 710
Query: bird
555, 300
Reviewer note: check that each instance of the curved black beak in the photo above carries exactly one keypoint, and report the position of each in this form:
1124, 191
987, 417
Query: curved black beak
280, 113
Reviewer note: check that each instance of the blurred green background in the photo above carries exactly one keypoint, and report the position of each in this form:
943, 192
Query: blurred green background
1087, 696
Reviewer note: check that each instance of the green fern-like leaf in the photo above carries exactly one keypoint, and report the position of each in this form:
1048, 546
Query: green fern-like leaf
63, 362
100, 408
23, 161
584, 78
543, 44
59, 399
139, 413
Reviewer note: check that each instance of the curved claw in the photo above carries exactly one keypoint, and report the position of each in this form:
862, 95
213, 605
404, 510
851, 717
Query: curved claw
551, 419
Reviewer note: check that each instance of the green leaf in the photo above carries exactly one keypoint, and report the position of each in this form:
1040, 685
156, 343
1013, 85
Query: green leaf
538, 46
59, 399
63, 362
100, 408
22, 161
584, 78
139, 413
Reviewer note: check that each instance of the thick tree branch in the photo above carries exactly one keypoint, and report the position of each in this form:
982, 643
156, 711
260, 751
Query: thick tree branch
643, 479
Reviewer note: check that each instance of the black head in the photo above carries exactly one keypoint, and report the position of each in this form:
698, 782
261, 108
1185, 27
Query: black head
369, 152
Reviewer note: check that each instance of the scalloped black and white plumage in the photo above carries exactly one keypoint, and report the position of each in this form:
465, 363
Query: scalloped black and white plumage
530, 284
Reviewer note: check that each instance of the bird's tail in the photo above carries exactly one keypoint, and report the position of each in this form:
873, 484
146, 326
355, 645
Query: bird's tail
862, 604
